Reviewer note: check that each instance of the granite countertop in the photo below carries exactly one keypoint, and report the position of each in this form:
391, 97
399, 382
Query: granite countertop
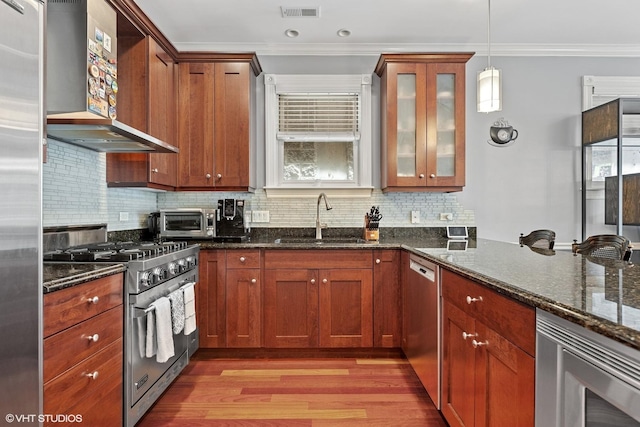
58, 275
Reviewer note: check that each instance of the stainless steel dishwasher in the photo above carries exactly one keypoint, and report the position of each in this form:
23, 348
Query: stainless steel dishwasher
421, 339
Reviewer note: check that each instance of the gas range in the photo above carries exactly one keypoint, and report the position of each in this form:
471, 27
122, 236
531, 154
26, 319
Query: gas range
148, 263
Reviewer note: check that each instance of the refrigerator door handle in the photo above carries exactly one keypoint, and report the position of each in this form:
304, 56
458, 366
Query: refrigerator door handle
14, 4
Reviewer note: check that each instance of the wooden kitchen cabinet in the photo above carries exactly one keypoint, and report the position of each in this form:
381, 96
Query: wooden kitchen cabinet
216, 125
211, 297
83, 351
422, 121
230, 299
488, 356
318, 299
147, 101
387, 299
243, 299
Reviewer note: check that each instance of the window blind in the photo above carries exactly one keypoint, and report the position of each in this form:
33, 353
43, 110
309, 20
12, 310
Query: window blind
318, 117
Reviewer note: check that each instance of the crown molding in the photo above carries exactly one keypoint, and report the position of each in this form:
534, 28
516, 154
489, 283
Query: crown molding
342, 49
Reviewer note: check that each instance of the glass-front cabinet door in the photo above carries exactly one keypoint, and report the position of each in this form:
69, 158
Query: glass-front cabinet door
422, 121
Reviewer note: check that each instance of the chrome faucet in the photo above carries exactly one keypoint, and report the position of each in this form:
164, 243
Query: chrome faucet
318, 225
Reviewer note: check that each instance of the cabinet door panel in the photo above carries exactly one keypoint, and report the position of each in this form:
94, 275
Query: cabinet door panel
211, 299
291, 308
387, 303
195, 125
162, 113
505, 388
346, 316
232, 112
458, 368
244, 325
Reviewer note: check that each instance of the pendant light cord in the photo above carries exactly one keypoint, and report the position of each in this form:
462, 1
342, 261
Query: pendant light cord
489, 36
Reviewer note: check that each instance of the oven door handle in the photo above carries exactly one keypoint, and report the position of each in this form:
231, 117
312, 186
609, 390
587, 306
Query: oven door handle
142, 311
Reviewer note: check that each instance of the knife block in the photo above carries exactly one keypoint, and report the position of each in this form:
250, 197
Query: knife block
371, 232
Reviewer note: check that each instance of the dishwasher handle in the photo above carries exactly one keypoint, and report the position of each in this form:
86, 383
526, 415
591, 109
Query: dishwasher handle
428, 273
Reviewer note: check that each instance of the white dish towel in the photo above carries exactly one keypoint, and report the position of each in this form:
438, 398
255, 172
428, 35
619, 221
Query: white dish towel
161, 316
189, 308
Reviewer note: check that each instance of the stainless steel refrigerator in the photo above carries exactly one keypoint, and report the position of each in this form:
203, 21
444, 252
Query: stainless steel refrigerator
21, 133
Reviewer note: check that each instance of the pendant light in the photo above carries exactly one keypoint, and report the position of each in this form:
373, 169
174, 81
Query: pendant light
489, 95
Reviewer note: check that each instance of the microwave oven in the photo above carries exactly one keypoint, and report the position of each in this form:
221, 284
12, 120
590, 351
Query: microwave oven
195, 223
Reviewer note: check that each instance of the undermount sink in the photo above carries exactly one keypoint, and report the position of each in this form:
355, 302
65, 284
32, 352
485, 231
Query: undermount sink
325, 240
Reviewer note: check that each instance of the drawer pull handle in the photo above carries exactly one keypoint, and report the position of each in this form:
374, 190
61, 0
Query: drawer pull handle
477, 344
470, 300
242, 259
466, 335
313, 281
93, 338
208, 176
324, 280
433, 175
253, 280
93, 375
93, 300
219, 176
378, 261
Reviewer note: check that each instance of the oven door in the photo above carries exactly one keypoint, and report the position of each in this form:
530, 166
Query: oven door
144, 371
594, 397
186, 224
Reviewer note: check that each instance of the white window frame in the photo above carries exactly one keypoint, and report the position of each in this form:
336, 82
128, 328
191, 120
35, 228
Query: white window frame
276, 84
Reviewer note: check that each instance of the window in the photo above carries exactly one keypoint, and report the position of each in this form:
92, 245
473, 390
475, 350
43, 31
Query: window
318, 132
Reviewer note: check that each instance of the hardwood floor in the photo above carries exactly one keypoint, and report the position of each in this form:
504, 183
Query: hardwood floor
345, 391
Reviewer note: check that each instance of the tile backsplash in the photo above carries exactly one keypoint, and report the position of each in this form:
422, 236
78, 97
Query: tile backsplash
75, 193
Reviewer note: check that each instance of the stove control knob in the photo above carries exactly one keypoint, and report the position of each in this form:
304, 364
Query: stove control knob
191, 261
145, 278
182, 265
158, 274
173, 268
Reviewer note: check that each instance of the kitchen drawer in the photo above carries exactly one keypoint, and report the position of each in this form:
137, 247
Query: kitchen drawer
66, 390
101, 408
243, 258
334, 258
66, 307
512, 319
66, 348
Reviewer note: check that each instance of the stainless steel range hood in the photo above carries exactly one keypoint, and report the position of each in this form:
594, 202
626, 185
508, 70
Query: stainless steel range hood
82, 75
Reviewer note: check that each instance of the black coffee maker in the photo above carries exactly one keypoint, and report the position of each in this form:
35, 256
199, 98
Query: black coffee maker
231, 224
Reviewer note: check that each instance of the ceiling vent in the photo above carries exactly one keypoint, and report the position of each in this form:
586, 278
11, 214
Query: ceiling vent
300, 12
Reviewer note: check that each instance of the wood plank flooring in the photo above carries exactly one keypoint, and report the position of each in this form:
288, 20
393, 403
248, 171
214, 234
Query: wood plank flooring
316, 392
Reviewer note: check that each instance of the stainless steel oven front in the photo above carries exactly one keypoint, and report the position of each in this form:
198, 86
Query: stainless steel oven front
584, 379
145, 378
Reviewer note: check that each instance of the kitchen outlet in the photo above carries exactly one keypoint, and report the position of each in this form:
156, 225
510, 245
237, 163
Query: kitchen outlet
415, 217
124, 216
446, 217
260, 216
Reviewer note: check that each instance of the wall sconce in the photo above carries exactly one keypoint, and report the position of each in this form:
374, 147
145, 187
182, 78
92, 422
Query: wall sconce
489, 93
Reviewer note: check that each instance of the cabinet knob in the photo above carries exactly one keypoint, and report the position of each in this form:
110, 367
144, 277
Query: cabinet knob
219, 176
93, 300
324, 280
466, 335
421, 175
208, 176
470, 300
477, 344
433, 175
313, 281
242, 259
253, 280
93, 375
154, 170
378, 261
93, 338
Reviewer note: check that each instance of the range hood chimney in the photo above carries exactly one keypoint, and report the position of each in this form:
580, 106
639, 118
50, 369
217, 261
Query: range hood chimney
82, 80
